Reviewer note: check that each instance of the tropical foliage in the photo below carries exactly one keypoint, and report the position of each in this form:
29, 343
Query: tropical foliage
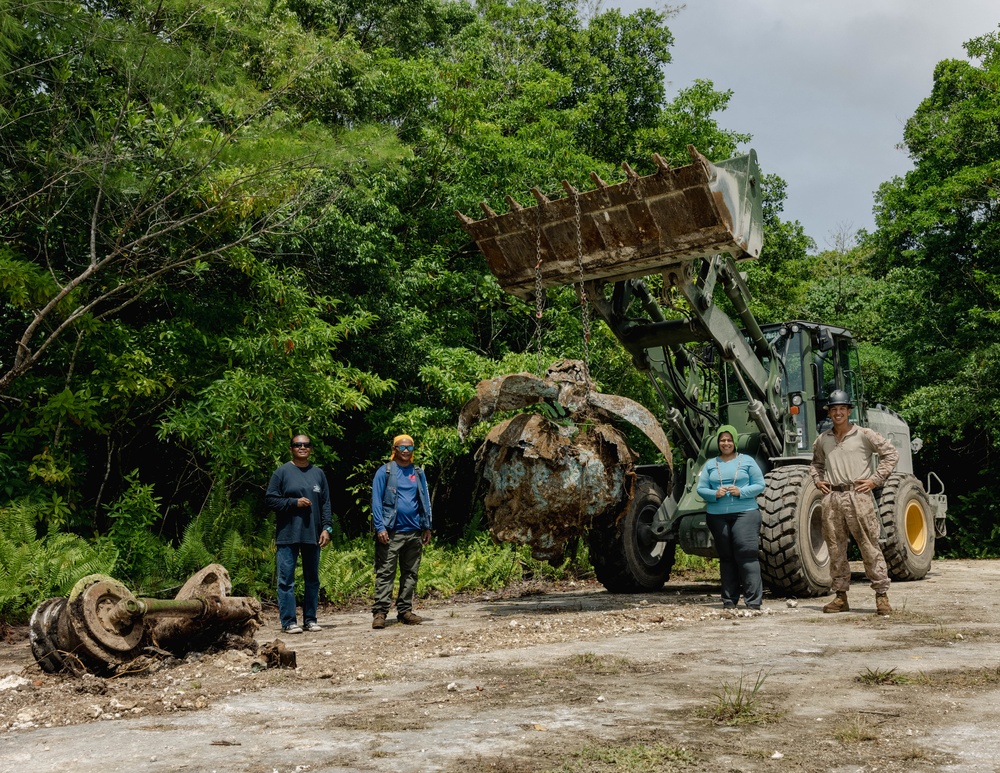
223, 223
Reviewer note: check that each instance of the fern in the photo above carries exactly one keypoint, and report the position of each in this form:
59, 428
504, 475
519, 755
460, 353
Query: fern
348, 572
32, 569
192, 553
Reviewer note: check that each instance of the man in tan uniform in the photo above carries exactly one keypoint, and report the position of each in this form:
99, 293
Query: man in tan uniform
841, 469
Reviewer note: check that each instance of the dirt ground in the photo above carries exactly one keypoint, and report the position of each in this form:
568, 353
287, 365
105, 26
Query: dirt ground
570, 679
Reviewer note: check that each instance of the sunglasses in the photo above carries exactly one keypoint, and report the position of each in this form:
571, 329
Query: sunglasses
404, 448
302, 445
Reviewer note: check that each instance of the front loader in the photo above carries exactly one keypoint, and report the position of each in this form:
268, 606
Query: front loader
650, 255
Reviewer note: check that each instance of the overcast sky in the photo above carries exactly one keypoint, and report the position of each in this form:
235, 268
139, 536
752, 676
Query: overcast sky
823, 87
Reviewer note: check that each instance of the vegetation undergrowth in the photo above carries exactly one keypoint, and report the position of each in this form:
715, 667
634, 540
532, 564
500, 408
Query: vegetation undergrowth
232, 534
856, 729
634, 758
739, 703
881, 676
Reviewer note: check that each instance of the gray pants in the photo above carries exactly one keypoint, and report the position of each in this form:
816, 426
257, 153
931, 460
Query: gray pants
850, 512
404, 550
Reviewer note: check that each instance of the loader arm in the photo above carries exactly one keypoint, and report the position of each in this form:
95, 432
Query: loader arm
689, 224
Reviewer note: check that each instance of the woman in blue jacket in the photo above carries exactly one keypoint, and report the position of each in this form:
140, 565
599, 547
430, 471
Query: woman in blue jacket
729, 484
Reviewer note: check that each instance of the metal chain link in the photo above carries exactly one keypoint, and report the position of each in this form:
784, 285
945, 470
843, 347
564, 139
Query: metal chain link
581, 290
539, 294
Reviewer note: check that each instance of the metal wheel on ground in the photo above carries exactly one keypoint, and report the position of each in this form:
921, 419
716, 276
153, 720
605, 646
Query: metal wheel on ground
908, 520
793, 555
625, 555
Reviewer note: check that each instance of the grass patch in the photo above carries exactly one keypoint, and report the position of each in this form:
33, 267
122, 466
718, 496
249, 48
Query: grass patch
634, 758
607, 757
939, 634
544, 675
879, 676
987, 677
900, 614
694, 568
740, 703
963, 679
857, 729
378, 722
603, 664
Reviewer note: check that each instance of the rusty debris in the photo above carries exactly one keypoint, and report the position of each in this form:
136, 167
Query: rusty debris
102, 627
275, 655
549, 476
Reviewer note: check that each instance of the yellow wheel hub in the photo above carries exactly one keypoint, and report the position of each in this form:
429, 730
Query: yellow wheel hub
916, 526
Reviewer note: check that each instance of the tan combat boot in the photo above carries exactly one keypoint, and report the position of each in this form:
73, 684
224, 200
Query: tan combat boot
882, 604
839, 604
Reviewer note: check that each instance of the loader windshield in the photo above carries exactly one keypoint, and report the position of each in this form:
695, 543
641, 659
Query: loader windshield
839, 368
792, 349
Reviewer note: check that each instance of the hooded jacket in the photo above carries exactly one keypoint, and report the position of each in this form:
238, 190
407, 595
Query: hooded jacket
743, 472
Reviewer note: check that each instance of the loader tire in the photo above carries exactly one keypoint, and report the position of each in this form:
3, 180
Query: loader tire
908, 520
794, 559
621, 549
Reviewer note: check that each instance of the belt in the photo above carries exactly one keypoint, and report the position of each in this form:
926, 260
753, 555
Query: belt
841, 487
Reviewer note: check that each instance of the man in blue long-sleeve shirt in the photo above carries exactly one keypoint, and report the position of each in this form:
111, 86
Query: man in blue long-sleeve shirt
300, 495
401, 517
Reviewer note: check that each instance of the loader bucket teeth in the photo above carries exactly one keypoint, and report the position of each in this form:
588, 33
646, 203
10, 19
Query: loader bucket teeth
638, 227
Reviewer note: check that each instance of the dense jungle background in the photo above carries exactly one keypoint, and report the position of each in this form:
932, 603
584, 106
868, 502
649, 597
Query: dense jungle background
223, 223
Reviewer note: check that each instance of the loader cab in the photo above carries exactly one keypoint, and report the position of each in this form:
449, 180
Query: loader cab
815, 360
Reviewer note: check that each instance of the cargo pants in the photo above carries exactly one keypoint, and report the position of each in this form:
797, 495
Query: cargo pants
853, 513
404, 550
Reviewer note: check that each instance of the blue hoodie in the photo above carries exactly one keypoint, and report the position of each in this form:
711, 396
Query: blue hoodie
743, 472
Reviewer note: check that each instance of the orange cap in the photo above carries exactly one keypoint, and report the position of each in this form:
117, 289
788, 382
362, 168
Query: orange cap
400, 439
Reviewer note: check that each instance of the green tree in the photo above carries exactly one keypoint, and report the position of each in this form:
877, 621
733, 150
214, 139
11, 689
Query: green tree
162, 164
937, 250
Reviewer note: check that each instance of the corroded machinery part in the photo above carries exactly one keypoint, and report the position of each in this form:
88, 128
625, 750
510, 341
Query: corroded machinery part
222, 613
608, 406
548, 482
104, 633
550, 479
503, 393
45, 645
102, 626
85, 632
566, 383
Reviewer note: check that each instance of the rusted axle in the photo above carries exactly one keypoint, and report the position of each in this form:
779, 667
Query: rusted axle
102, 626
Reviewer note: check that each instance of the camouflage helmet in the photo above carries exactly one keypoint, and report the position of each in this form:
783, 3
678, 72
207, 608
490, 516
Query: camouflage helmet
839, 397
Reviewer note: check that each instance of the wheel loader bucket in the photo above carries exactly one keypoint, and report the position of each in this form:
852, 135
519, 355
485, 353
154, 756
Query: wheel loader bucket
638, 227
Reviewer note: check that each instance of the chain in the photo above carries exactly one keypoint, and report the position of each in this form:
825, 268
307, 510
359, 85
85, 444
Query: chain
581, 290
539, 294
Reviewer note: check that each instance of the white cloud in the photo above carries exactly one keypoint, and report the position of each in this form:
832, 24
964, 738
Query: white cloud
824, 88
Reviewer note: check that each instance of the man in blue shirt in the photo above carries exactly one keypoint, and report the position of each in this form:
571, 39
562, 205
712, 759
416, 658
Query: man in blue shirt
401, 517
300, 495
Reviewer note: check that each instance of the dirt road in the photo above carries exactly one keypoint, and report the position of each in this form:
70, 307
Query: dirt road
579, 680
